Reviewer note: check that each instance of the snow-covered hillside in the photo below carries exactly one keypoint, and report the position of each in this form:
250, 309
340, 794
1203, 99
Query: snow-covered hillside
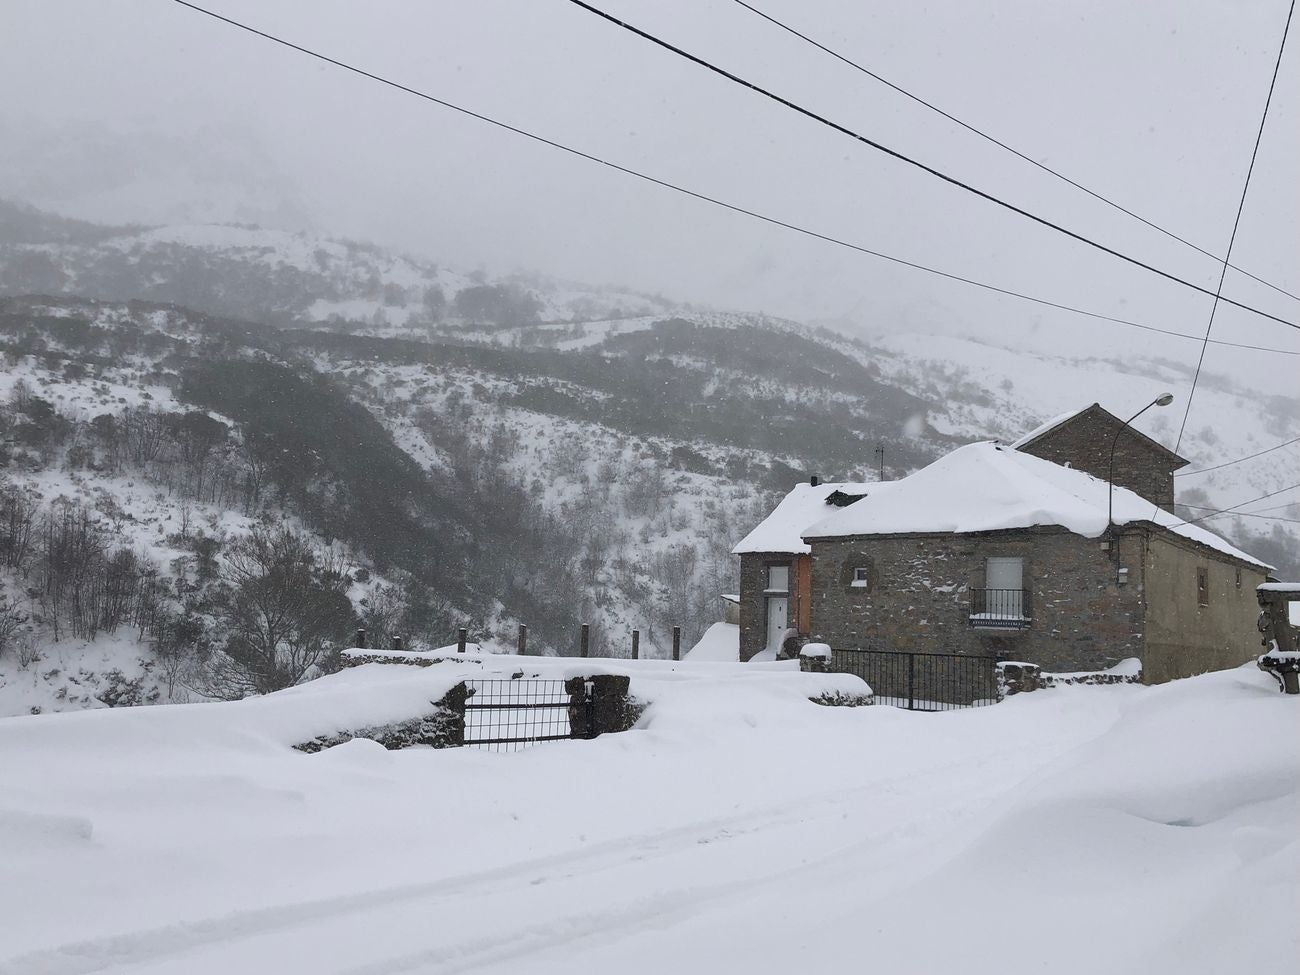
738, 827
576, 454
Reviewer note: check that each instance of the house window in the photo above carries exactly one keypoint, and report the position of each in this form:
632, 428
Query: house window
1203, 587
778, 578
861, 577
1001, 604
1238, 577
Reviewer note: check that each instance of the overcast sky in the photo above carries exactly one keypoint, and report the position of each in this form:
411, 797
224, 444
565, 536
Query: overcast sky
143, 110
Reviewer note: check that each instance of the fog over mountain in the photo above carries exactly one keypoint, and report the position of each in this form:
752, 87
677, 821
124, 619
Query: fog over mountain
151, 112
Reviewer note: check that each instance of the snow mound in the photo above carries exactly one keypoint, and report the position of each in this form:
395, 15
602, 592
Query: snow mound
720, 642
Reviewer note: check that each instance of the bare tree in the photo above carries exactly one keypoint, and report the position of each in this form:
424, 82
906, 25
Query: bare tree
11, 621
382, 613
287, 606
18, 509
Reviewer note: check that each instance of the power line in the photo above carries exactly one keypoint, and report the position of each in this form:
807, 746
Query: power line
1276, 507
1230, 463
1224, 511
1239, 514
705, 198
1236, 223
902, 157
1002, 145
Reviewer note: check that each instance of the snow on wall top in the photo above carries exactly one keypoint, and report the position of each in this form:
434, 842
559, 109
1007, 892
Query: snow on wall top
1051, 424
988, 487
782, 530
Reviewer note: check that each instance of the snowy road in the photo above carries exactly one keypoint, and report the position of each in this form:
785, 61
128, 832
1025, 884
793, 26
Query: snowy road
762, 836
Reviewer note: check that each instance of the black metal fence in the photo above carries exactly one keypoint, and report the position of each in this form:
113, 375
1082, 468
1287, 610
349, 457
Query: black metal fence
923, 681
507, 715
1003, 609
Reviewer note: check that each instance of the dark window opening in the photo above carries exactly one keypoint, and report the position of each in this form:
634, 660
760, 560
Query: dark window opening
1203, 587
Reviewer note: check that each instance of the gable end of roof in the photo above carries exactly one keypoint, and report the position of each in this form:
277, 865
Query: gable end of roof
1097, 411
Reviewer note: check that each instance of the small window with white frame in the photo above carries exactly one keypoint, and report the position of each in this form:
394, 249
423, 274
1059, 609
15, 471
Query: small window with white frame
778, 578
861, 577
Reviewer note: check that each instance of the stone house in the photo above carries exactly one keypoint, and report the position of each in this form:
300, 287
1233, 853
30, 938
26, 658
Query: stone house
1010, 552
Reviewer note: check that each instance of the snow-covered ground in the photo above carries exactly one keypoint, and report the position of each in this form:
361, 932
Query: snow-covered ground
738, 828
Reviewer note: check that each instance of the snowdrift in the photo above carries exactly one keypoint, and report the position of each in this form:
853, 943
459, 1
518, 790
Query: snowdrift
737, 828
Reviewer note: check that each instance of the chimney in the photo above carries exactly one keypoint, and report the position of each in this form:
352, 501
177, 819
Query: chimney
815, 480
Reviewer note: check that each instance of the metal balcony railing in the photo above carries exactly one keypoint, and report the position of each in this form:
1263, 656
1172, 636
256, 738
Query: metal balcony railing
1003, 609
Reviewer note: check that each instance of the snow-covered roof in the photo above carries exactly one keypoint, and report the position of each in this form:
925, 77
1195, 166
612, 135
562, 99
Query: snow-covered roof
987, 487
1051, 424
782, 530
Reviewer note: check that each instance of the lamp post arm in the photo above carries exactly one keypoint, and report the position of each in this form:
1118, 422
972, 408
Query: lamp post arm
1110, 471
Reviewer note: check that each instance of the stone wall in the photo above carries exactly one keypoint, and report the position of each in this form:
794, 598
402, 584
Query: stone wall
1184, 637
442, 726
753, 625
1084, 441
918, 596
753, 604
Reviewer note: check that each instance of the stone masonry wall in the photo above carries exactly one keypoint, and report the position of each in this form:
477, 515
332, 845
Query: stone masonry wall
918, 597
753, 605
1084, 444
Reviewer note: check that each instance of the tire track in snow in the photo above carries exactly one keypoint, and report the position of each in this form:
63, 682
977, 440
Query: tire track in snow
151, 944
155, 944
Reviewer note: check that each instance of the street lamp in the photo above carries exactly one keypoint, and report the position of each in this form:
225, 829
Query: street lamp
1164, 399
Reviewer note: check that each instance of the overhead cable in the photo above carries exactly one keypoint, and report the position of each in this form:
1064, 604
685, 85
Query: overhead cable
902, 157
1002, 145
1239, 460
714, 201
1236, 223
1239, 514
1262, 497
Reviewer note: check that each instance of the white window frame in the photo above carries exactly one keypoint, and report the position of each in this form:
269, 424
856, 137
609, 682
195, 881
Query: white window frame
772, 590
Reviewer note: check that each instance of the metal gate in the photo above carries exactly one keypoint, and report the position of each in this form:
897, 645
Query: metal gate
923, 681
507, 715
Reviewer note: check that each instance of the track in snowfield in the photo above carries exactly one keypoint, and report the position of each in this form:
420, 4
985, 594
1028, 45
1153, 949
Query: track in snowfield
601, 893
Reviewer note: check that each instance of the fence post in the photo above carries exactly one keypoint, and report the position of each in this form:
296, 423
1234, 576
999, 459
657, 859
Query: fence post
677, 643
911, 677
523, 639
584, 644
636, 644
462, 637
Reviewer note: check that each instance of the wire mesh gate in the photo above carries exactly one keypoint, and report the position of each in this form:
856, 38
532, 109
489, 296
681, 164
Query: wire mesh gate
923, 681
507, 715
